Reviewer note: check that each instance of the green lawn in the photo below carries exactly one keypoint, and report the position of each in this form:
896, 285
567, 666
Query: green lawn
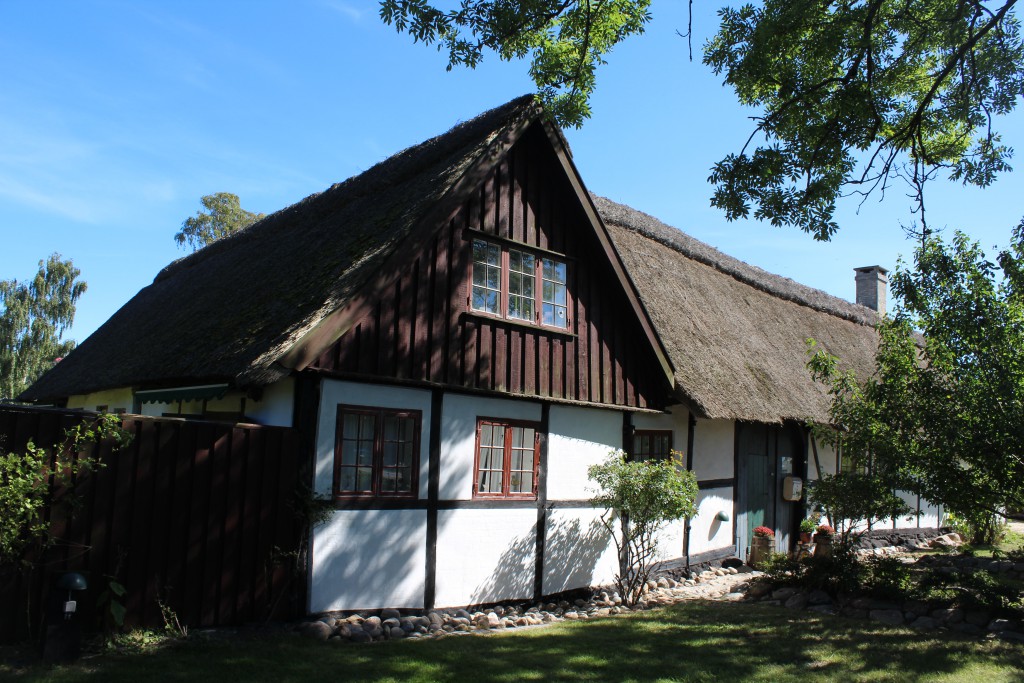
689, 642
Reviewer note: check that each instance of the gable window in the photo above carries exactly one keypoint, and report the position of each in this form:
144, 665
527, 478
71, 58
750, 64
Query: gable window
652, 444
507, 453
505, 284
376, 452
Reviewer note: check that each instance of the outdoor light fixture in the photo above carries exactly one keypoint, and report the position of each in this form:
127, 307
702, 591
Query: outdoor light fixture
722, 516
72, 581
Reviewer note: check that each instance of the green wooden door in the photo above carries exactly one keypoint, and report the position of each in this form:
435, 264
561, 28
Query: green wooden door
758, 496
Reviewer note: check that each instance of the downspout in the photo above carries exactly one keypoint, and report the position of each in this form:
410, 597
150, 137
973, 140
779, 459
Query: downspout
691, 427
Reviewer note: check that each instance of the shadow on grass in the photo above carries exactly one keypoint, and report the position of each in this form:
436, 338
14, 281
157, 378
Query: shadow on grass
689, 642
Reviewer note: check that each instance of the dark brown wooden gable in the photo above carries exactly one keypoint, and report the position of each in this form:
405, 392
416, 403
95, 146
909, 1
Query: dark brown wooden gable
421, 329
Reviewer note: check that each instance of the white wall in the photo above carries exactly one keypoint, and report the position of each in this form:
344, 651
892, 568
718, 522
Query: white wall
366, 559
485, 555
714, 450
577, 439
458, 436
274, 408
334, 393
706, 531
579, 552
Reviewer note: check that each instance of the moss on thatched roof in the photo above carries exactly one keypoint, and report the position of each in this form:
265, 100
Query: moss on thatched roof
736, 335
229, 311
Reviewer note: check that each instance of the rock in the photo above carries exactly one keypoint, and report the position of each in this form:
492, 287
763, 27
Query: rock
758, 589
1001, 625
373, 621
1011, 636
798, 601
969, 629
916, 607
373, 630
389, 613
736, 597
397, 633
316, 630
949, 615
854, 612
390, 622
784, 593
571, 615
923, 623
662, 583
978, 617
463, 614
886, 616
818, 597
361, 637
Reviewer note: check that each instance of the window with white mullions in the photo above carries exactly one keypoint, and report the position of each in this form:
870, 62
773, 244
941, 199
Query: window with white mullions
507, 453
486, 276
522, 274
505, 284
554, 307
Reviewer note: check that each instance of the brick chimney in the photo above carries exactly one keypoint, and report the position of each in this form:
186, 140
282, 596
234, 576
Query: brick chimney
872, 283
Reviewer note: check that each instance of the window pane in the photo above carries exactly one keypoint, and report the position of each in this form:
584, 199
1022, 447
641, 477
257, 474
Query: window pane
405, 454
365, 479
559, 295
348, 479
367, 424
390, 458
390, 428
521, 482
493, 277
389, 481
515, 282
364, 452
408, 428
491, 302
350, 426
515, 259
404, 484
517, 437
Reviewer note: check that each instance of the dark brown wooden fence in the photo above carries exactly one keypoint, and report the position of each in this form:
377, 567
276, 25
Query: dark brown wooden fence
196, 515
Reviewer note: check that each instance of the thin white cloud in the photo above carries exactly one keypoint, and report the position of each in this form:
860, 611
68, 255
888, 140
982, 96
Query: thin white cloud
345, 9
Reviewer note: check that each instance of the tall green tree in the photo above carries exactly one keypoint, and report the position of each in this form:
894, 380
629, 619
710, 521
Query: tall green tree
856, 93
851, 94
34, 315
566, 40
222, 216
943, 415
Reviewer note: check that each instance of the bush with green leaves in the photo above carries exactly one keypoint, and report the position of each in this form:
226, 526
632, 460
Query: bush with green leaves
31, 480
888, 578
640, 498
852, 499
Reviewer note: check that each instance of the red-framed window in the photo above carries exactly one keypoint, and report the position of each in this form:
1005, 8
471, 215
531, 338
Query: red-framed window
652, 444
507, 454
517, 284
376, 452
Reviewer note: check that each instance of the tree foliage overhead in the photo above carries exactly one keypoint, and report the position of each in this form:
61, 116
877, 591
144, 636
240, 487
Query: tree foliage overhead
566, 40
944, 413
223, 215
859, 92
852, 95
34, 315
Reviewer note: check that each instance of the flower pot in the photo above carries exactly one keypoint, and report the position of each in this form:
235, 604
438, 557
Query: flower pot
805, 537
760, 549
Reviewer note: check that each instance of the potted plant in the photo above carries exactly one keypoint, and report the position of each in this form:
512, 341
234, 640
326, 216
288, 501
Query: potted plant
823, 540
806, 530
761, 545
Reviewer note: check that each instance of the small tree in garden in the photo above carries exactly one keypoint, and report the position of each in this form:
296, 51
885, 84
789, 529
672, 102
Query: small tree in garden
640, 498
852, 499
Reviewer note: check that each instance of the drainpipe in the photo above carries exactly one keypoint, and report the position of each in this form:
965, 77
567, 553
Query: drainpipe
691, 427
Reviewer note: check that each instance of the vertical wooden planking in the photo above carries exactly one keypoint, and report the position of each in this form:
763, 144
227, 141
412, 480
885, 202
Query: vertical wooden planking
424, 319
267, 565
514, 378
184, 448
501, 360
530, 363
488, 211
120, 528
284, 523
557, 366
232, 524
162, 519
543, 364
503, 188
406, 322
441, 322
248, 561
139, 525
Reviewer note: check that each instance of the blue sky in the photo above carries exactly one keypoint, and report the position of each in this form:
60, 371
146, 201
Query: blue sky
117, 116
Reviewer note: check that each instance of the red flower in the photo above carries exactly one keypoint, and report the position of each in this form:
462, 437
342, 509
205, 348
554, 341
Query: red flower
826, 530
764, 532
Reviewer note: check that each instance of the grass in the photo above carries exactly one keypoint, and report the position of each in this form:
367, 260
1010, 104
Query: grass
1011, 540
693, 641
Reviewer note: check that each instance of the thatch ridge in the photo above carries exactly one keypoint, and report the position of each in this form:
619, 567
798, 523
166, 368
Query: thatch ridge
228, 311
736, 335
776, 285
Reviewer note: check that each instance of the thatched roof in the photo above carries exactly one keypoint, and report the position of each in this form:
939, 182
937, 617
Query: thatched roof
230, 310
736, 335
